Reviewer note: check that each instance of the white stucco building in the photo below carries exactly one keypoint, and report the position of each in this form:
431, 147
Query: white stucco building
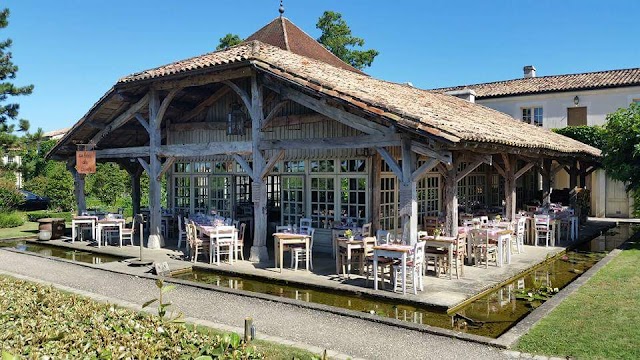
13, 158
568, 100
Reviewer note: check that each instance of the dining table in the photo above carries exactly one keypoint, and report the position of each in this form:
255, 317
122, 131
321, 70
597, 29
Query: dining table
498, 234
393, 251
78, 221
103, 224
287, 239
350, 246
210, 231
440, 241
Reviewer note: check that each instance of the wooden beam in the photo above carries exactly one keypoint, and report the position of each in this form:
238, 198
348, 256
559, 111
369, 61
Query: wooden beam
524, 169
179, 151
442, 170
322, 107
423, 169
273, 112
206, 103
272, 162
145, 166
120, 120
508, 167
203, 79
165, 105
499, 169
470, 167
348, 142
556, 169
143, 122
390, 161
244, 96
165, 167
245, 165
442, 156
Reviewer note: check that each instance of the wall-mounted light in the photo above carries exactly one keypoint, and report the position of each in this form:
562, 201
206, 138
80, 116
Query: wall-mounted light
576, 100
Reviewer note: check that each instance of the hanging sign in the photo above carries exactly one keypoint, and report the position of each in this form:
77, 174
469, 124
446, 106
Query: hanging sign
85, 159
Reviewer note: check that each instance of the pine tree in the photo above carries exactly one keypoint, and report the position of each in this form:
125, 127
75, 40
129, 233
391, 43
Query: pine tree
336, 37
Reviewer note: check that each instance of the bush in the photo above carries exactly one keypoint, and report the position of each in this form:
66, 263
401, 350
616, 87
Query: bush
11, 219
37, 215
10, 197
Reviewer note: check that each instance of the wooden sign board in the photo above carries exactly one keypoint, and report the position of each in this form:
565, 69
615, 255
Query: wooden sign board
162, 269
86, 161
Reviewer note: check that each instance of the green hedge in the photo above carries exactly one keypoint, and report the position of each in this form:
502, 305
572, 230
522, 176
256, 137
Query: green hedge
37, 215
41, 322
11, 219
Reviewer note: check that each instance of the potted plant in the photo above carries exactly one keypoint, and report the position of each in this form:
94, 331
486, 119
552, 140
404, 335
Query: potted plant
349, 234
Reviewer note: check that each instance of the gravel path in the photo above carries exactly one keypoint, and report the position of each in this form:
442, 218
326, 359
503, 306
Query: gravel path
358, 338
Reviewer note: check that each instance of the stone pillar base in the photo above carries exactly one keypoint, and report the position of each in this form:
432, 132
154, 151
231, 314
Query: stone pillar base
259, 254
155, 242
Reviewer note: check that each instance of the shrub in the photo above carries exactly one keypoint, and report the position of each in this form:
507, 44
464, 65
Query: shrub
10, 197
11, 219
37, 215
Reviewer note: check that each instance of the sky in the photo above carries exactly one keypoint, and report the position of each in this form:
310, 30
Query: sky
73, 51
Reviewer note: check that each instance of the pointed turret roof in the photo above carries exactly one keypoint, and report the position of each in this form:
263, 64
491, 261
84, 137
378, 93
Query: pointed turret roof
282, 33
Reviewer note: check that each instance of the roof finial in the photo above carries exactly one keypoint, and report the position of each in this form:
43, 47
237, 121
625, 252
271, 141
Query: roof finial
281, 9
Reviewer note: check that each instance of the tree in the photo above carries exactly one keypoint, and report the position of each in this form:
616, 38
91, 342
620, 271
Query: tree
336, 37
590, 135
621, 148
7, 89
228, 41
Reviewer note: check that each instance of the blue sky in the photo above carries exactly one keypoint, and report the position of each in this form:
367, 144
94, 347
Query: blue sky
73, 51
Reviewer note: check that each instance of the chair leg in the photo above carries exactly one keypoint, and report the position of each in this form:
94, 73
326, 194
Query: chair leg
242, 251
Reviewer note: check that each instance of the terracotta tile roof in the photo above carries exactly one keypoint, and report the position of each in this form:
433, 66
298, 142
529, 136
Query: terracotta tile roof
553, 83
281, 32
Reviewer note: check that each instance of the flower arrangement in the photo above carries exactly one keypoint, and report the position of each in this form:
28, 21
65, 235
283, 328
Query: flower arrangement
498, 218
439, 230
348, 233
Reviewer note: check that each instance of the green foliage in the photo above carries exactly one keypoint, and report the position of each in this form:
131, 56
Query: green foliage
37, 215
56, 183
621, 150
11, 219
228, 41
162, 305
33, 161
42, 322
590, 135
10, 197
108, 184
336, 37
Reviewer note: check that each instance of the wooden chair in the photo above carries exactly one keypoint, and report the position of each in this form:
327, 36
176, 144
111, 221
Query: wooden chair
223, 237
542, 229
430, 224
195, 243
298, 253
127, 233
240, 242
414, 269
517, 238
366, 230
383, 263
182, 234
482, 248
305, 222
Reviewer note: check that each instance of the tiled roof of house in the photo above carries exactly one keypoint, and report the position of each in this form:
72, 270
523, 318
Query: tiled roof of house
553, 83
427, 112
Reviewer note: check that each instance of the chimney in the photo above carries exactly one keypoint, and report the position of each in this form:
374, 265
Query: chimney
464, 94
529, 71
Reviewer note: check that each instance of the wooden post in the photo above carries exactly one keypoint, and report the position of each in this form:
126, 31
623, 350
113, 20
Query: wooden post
259, 188
248, 323
509, 185
376, 167
450, 199
156, 240
546, 181
408, 195
78, 188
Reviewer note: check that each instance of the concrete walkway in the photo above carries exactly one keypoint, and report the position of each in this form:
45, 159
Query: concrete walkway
357, 337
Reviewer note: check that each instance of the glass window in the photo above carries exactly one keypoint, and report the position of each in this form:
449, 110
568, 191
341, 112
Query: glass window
353, 199
294, 166
292, 199
322, 166
322, 201
200, 194
222, 167
182, 193
243, 189
221, 195
182, 167
357, 166
273, 190
388, 202
532, 115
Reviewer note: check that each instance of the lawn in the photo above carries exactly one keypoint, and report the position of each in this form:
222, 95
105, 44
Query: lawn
42, 322
599, 321
26, 229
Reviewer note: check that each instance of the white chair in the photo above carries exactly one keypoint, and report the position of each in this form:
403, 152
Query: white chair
240, 241
383, 236
305, 222
195, 243
518, 237
284, 229
298, 253
127, 233
414, 269
228, 222
222, 237
481, 247
383, 263
182, 234
484, 221
366, 230
542, 229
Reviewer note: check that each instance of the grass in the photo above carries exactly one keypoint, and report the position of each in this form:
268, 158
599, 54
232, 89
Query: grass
26, 229
39, 321
599, 321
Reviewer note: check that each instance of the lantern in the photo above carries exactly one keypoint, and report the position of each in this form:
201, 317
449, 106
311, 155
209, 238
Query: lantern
236, 120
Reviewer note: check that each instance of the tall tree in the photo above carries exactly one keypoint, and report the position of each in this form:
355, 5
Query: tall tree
229, 40
336, 37
621, 148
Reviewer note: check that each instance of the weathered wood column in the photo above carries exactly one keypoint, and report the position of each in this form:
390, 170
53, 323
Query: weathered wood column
511, 174
547, 174
450, 199
259, 189
375, 181
408, 195
78, 187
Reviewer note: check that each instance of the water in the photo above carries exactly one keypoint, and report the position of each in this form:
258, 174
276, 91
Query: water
60, 252
490, 315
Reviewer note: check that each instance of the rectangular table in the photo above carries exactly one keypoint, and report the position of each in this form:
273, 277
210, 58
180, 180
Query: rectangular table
502, 237
445, 242
79, 220
210, 231
349, 246
282, 239
394, 251
109, 223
